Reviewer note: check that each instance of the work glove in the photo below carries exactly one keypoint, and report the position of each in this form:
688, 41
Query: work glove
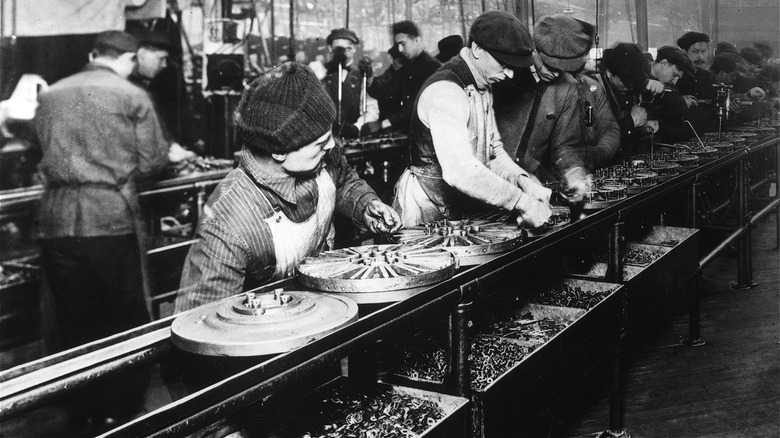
639, 115
346, 130
654, 86
577, 184
370, 128
177, 154
532, 212
365, 66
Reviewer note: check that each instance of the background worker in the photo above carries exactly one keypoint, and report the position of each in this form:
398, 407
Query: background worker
98, 134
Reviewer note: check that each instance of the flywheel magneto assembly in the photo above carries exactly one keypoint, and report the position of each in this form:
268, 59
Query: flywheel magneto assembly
256, 324
377, 273
473, 240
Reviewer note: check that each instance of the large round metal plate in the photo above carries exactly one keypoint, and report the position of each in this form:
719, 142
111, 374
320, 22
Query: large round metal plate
473, 240
376, 269
560, 217
261, 324
603, 194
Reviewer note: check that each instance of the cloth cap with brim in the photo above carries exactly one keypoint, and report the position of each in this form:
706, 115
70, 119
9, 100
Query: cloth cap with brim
686, 41
751, 55
627, 62
449, 46
284, 110
342, 34
677, 57
116, 40
504, 37
156, 40
563, 42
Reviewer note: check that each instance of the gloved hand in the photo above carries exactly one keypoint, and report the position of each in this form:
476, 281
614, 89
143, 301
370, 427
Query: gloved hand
534, 213
338, 56
346, 130
177, 154
577, 184
369, 128
365, 66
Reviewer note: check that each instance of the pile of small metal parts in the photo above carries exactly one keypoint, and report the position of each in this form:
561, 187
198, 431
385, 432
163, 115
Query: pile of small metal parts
372, 412
199, 165
12, 275
640, 256
492, 356
527, 329
635, 179
425, 360
564, 295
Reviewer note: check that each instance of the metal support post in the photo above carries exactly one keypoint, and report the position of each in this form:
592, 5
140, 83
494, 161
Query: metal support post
692, 213
460, 348
744, 261
694, 337
777, 195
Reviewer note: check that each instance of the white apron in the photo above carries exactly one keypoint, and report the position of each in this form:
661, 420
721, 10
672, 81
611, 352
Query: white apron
295, 241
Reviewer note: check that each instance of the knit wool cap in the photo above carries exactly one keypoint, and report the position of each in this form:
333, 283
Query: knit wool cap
627, 62
342, 34
686, 41
563, 42
677, 57
504, 37
284, 110
117, 40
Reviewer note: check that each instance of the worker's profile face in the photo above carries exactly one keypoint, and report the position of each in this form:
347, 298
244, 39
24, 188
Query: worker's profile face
349, 47
666, 72
308, 159
545, 72
617, 83
491, 69
151, 61
409, 46
698, 53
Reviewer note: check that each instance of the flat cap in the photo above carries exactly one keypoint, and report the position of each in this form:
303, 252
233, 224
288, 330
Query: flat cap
342, 34
627, 62
562, 41
504, 37
449, 46
677, 57
686, 41
117, 40
157, 40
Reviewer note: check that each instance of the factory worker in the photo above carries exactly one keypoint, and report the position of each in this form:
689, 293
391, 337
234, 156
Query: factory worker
276, 208
458, 162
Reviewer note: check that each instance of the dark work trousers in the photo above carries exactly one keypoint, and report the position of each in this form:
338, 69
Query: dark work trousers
97, 290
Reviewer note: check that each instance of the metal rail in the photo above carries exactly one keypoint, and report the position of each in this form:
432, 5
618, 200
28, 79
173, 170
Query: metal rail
212, 404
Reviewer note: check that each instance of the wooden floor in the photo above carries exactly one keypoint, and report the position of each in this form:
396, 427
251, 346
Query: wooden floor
729, 387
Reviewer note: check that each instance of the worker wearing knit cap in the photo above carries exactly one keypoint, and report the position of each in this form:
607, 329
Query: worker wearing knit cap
276, 208
458, 162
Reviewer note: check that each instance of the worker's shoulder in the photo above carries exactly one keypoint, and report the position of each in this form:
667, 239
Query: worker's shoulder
237, 198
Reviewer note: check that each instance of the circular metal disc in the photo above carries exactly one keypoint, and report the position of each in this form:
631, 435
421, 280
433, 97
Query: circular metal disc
561, 216
376, 269
472, 240
261, 324
603, 194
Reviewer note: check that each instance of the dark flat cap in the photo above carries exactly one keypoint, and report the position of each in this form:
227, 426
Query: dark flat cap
627, 62
751, 55
342, 34
764, 47
157, 40
562, 41
686, 41
117, 40
449, 46
504, 37
677, 57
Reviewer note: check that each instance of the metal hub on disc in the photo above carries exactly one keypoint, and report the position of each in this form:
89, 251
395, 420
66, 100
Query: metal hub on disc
377, 273
256, 324
473, 240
